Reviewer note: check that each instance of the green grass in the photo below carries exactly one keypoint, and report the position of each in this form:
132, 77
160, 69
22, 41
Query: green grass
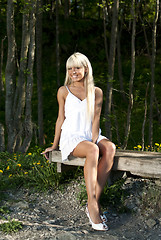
10, 226
112, 196
28, 170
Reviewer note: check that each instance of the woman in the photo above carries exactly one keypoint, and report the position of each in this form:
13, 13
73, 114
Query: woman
77, 132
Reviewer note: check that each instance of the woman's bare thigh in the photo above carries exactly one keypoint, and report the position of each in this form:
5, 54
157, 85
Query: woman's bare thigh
82, 148
104, 145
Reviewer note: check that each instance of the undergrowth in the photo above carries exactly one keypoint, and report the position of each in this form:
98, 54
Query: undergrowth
113, 196
32, 170
10, 226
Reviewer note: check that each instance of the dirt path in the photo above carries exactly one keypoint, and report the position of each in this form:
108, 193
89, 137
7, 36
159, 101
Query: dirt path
58, 215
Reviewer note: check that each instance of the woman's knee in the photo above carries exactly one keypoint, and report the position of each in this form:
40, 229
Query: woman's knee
107, 148
111, 148
93, 150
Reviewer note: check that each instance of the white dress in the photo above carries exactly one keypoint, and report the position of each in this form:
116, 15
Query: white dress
75, 128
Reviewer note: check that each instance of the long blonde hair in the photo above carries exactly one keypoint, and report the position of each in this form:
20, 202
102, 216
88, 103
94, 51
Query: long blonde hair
80, 60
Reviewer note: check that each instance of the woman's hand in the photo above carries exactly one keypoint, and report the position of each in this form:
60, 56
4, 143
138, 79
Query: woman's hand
46, 152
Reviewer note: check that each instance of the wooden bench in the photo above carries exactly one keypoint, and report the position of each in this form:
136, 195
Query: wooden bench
144, 164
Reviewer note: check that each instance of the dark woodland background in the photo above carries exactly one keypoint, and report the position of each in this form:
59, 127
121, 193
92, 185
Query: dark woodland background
121, 40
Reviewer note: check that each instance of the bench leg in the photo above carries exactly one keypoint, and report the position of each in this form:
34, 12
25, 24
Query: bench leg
59, 167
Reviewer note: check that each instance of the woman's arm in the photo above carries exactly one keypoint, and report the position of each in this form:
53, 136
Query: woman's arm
97, 113
61, 96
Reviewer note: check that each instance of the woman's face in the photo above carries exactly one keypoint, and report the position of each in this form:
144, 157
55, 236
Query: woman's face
76, 73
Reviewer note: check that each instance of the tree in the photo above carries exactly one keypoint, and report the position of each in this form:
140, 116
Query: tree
57, 44
1, 66
111, 64
19, 93
10, 76
39, 69
153, 57
130, 105
66, 9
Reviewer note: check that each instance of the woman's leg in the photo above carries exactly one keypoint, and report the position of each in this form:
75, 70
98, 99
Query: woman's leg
107, 152
90, 151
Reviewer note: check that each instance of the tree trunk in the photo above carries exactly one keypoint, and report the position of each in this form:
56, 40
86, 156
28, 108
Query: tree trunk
83, 9
1, 66
10, 76
120, 75
66, 9
2, 141
57, 44
105, 32
39, 70
145, 36
154, 30
19, 100
145, 114
28, 126
130, 106
111, 69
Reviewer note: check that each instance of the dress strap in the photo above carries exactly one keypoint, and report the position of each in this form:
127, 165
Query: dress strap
67, 88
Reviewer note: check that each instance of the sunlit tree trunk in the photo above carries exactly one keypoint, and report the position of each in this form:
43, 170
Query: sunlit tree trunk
18, 95
10, 76
153, 57
145, 116
2, 141
1, 66
39, 70
19, 99
111, 64
2, 138
28, 126
105, 31
130, 105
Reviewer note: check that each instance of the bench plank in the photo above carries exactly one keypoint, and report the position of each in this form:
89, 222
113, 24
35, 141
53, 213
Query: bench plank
145, 164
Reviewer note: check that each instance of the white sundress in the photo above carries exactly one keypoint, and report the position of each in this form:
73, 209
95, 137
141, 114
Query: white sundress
75, 128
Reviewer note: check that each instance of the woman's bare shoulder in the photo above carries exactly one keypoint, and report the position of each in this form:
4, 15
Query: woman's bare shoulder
98, 92
62, 92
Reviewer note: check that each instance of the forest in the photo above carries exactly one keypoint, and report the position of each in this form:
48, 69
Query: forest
121, 38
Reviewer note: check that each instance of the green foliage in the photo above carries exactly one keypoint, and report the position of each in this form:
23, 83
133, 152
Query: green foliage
4, 209
30, 169
86, 34
10, 226
113, 196
82, 195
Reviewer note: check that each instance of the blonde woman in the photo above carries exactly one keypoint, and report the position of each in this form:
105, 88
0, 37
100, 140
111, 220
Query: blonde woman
77, 132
